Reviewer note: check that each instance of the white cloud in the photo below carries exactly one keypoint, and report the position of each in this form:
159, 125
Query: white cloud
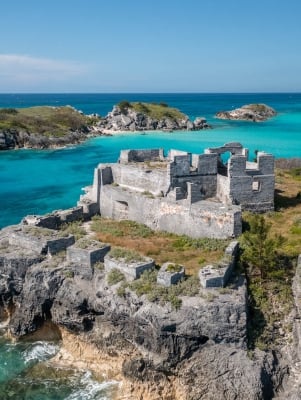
23, 72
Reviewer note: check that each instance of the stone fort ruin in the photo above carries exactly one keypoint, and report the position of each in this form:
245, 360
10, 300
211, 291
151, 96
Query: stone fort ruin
194, 194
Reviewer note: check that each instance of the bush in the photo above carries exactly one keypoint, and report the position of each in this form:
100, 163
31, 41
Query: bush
127, 255
115, 276
124, 106
74, 228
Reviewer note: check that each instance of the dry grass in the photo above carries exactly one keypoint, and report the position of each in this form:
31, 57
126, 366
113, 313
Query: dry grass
160, 246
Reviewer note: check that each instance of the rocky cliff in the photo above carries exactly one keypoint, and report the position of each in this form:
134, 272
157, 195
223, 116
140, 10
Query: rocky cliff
144, 116
250, 112
195, 352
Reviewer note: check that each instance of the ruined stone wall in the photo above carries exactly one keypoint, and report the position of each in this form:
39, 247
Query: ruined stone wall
253, 189
206, 219
127, 156
141, 179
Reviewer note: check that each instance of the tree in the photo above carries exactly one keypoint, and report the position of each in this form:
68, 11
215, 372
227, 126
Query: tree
259, 247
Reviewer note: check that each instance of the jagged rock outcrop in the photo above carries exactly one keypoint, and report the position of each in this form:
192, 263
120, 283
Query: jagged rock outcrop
198, 350
18, 138
131, 120
249, 112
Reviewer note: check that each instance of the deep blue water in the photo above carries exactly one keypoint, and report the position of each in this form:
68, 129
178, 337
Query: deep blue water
35, 182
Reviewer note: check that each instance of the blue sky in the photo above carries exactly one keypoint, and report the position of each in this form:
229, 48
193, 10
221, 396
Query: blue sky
150, 46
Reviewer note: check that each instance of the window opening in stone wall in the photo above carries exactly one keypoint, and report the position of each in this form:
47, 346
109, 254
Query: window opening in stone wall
256, 186
222, 164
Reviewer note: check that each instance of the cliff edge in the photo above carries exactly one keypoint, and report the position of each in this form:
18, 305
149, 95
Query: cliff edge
191, 350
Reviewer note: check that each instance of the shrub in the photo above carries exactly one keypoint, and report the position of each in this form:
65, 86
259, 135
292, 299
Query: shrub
115, 276
174, 268
73, 228
124, 105
127, 255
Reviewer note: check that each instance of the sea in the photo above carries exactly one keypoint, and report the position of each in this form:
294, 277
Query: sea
40, 181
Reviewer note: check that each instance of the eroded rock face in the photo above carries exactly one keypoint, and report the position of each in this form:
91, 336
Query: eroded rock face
250, 112
131, 120
201, 346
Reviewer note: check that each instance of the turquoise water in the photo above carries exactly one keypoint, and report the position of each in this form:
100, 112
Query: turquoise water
36, 182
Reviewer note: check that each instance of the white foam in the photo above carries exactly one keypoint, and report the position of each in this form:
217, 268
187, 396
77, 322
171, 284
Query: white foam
89, 389
40, 351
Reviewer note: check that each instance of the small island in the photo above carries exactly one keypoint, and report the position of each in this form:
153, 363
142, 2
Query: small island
249, 112
46, 127
127, 116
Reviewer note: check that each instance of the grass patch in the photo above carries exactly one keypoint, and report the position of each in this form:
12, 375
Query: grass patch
147, 285
153, 110
73, 228
126, 255
46, 121
161, 246
115, 276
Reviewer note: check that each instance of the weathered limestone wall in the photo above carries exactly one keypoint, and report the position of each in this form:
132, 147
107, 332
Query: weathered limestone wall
218, 276
253, 189
141, 179
131, 270
206, 164
127, 156
206, 219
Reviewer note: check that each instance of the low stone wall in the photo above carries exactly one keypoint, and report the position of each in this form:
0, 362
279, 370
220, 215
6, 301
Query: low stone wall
131, 270
218, 276
41, 245
127, 156
87, 257
55, 219
168, 278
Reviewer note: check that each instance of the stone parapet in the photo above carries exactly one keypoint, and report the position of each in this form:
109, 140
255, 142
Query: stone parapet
170, 274
132, 270
218, 275
93, 253
43, 241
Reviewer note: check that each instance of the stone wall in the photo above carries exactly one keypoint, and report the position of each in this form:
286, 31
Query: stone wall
132, 270
219, 275
127, 156
141, 179
203, 219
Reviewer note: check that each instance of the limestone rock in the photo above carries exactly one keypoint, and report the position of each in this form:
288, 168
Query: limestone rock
201, 346
117, 120
250, 112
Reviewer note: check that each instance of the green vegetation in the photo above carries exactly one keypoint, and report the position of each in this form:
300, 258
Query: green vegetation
73, 228
46, 121
153, 110
257, 107
259, 247
147, 285
115, 276
127, 255
161, 246
269, 274
172, 268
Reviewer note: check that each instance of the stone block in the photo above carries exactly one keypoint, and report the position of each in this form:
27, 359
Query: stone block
170, 274
132, 270
93, 252
71, 215
219, 275
40, 240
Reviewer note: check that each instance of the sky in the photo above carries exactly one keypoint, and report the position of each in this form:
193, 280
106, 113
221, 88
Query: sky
100, 46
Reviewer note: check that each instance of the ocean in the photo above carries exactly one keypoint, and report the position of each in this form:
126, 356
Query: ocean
39, 181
